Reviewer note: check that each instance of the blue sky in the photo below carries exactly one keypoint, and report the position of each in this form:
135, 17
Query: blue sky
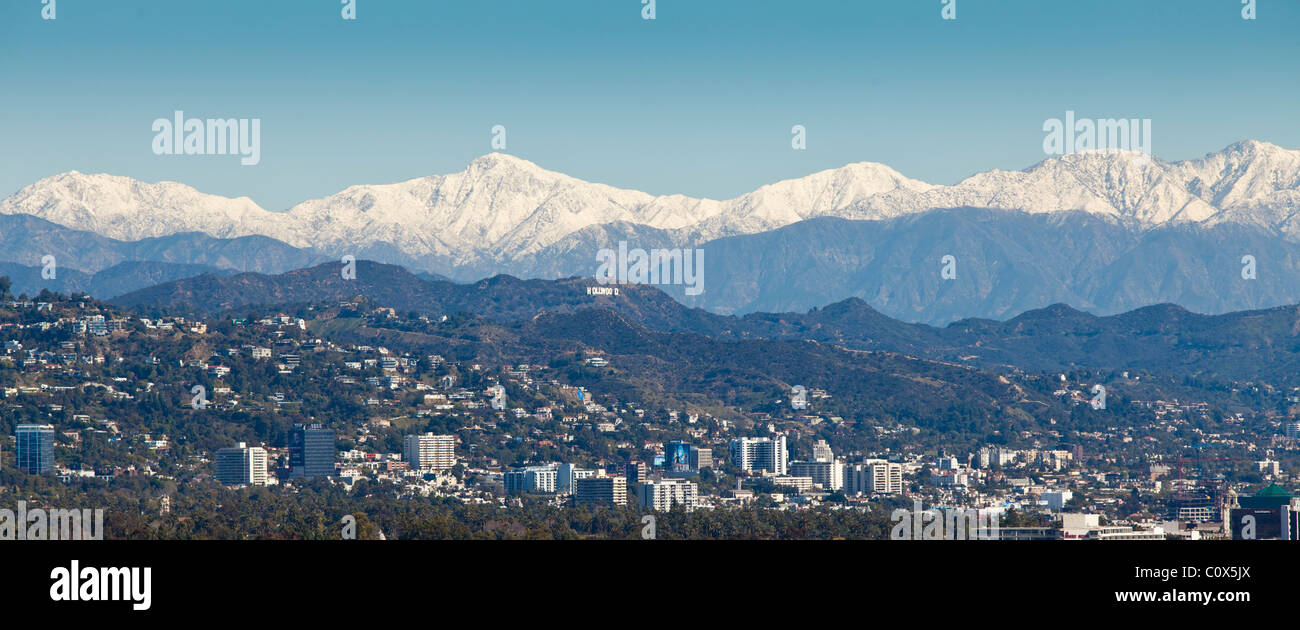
699, 101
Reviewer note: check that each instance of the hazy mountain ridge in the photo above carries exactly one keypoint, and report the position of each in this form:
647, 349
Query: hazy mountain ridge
1005, 263
26, 240
1162, 338
121, 278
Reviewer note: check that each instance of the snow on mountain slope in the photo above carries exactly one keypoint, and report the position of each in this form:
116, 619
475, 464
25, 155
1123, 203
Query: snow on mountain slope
1253, 182
835, 192
128, 209
502, 207
1123, 185
500, 203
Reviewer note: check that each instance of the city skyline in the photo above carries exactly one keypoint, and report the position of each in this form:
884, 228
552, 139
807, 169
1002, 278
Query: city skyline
343, 287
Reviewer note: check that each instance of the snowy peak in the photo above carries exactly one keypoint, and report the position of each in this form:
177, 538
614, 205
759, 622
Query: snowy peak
1132, 185
128, 209
502, 207
498, 203
1123, 184
504, 163
1244, 173
835, 192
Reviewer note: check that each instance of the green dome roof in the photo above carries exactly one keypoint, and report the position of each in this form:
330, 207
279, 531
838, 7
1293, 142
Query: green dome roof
1273, 490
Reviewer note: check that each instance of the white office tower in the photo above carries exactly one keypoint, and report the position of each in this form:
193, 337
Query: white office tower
567, 474
663, 494
531, 479
873, 476
799, 398
498, 397
600, 491
242, 465
765, 453
828, 475
430, 452
999, 456
822, 452
886, 477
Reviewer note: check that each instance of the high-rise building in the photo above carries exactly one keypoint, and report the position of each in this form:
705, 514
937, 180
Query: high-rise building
600, 491
828, 475
242, 465
677, 457
873, 476
429, 452
311, 451
857, 479
1267, 515
701, 458
822, 452
515, 481
886, 477
764, 453
566, 475
1293, 429
35, 450
635, 472
661, 495
531, 479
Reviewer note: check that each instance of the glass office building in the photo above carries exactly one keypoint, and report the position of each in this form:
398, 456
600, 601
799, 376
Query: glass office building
311, 451
35, 448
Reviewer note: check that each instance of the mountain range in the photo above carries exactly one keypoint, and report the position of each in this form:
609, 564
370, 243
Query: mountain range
1164, 338
1107, 232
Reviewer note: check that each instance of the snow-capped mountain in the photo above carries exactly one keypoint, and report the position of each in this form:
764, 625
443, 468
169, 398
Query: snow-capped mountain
500, 204
130, 210
502, 208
